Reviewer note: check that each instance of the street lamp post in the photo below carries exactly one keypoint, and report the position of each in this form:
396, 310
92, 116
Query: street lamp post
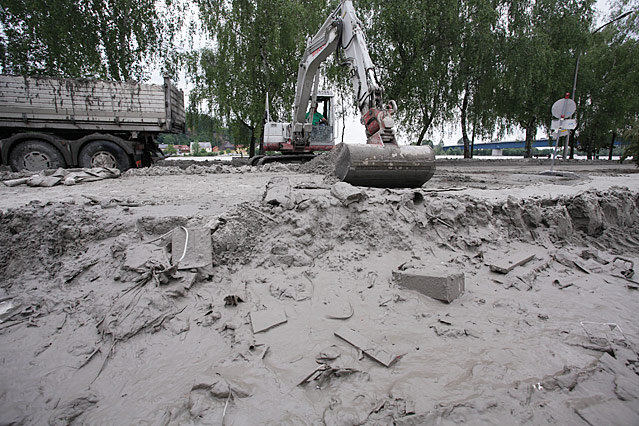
574, 81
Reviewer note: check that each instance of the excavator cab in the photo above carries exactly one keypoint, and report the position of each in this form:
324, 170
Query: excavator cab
323, 134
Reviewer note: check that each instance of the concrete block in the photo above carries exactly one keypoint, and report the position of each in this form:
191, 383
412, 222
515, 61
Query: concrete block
279, 193
346, 193
438, 285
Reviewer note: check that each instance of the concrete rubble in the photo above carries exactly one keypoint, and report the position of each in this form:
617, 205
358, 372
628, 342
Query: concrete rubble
69, 177
444, 286
347, 193
269, 296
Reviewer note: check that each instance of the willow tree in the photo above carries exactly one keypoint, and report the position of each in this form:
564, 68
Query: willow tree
255, 50
476, 69
115, 39
413, 44
608, 78
542, 37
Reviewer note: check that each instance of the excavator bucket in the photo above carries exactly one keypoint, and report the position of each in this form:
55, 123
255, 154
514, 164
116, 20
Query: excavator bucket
388, 166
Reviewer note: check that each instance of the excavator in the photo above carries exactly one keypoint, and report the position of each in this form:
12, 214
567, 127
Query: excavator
381, 162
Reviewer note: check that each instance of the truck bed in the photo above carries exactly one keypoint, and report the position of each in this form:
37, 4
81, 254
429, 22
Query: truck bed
41, 103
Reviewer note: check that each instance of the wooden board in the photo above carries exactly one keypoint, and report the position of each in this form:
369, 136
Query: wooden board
55, 103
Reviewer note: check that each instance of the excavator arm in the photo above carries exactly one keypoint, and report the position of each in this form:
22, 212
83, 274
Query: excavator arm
343, 30
381, 162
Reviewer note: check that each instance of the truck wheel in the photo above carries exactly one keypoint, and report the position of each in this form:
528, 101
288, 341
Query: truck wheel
35, 155
104, 154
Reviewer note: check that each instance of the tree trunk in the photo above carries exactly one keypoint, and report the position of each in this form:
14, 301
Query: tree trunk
464, 109
572, 144
612, 145
589, 149
421, 135
252, 145
472, 141
427, 123
252, 142
531, 130
260, 151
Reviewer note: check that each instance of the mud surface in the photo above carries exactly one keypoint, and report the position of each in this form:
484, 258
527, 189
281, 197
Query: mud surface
207, 294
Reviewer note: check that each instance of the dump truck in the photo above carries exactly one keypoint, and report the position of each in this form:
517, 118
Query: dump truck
47, 122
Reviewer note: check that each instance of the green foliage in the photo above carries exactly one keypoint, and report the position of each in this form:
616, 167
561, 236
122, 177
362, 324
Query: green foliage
174, 139
454, 151
171, 149
195, 149
204, 128
606, 95
477, 70
631, 136
113, 39
538, 55
412, 43
439, 148
258, 47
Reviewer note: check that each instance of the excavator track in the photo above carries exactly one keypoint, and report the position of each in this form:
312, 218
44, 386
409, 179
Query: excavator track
388, 166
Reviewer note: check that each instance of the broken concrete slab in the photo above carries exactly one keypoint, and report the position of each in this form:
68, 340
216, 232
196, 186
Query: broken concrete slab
346, 193
369, 348
196, 253
569, 260
507, 265
140, 256
613, 413
435, 284
267, 319
279, 193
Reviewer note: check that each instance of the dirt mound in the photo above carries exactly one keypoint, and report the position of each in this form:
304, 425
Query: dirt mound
184, 163
401, 219
37, 236
176, 168
322, 164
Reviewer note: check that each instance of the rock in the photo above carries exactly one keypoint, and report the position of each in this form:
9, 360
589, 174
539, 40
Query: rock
438, 285
346, 193
278, 193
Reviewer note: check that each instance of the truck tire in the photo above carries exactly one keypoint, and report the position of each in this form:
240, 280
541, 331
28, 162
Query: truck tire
104, 154
35, 155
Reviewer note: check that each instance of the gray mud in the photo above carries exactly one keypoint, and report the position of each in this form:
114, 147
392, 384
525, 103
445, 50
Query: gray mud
101, 326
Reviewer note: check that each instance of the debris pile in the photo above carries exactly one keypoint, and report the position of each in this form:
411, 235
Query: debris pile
48, 178
193, 169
